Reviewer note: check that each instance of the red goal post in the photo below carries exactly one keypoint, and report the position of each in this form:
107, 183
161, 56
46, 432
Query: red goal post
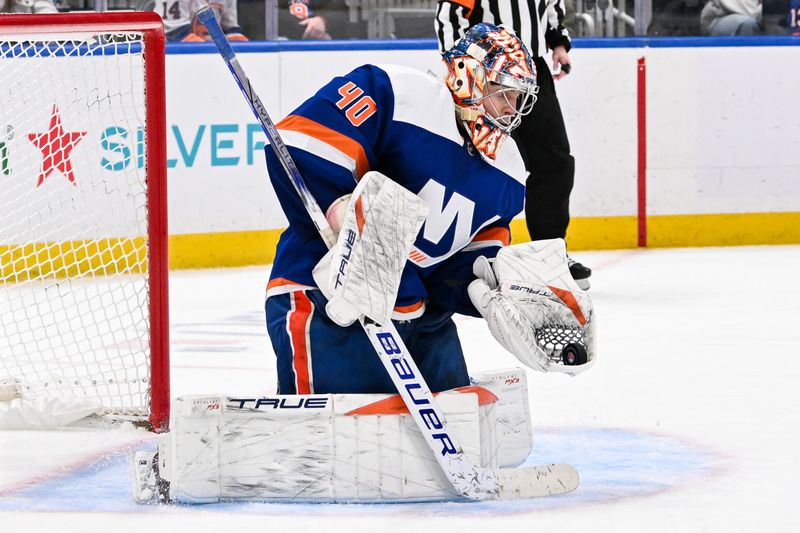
83, 210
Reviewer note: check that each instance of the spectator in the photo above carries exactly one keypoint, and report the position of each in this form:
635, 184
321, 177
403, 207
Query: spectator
313, 26
27, 6
781, 17
180, 23
731, 17
676, 18
318, 20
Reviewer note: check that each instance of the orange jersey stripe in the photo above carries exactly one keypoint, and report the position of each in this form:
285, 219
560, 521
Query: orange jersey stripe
494, 234
280, 282
341, 142
409, 308
417, 256
394, 405
569, 299
299, 316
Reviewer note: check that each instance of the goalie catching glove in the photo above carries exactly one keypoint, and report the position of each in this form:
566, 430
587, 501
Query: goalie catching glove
534, 308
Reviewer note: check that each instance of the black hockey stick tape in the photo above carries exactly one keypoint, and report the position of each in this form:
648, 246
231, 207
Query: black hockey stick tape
565, 68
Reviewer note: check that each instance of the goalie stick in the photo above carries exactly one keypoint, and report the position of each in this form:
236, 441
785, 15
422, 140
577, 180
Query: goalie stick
468, 480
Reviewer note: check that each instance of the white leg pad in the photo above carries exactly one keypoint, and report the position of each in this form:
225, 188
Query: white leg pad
513, 435
324, 448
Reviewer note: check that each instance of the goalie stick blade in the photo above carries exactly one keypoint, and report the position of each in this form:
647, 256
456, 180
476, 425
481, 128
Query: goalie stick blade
536, 481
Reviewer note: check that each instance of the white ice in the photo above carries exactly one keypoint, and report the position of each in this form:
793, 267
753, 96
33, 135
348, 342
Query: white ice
689, 422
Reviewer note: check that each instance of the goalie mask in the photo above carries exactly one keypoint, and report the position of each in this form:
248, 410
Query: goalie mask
493, 82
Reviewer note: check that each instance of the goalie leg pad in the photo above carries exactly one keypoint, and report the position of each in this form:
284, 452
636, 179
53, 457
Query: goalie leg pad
322, 448
325, 448
509, 429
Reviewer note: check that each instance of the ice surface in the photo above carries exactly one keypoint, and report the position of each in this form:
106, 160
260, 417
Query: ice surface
689, 421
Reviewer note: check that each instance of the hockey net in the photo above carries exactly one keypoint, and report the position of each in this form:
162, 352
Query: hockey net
83, 264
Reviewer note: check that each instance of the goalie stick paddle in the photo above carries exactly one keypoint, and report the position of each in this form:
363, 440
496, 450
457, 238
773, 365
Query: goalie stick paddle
469, 480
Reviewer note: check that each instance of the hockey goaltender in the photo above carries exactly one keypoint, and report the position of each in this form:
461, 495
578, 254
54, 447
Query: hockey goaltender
399, 211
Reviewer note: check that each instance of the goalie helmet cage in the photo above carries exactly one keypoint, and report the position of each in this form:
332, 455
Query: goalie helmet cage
83, 210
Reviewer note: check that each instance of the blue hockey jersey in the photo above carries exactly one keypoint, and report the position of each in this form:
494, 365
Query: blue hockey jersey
400, 122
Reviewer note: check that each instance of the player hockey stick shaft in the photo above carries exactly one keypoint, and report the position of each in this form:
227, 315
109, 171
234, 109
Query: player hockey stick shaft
468, 480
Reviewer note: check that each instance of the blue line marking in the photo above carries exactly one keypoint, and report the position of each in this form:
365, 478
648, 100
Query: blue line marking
614, 464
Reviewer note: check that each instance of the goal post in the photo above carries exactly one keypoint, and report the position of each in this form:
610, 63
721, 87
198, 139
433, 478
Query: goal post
83, 210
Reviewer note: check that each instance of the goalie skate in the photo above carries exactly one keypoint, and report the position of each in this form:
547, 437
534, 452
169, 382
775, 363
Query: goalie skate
579, 273
148, 486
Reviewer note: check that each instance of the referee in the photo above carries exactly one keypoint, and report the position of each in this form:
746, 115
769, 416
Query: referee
542, 136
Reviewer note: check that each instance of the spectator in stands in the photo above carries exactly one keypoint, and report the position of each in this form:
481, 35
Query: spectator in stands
781, 17
318, 20
731, 17
676, 18
27, 6
793, 17
180, 23
313, 26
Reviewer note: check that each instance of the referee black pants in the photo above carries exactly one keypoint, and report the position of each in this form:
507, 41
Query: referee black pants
542, 140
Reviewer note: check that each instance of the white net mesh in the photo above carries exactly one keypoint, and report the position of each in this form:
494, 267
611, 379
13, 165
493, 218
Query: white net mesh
74, 306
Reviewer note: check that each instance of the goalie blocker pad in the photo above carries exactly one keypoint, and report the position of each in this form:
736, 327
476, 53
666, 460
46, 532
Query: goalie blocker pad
360, 275
336, 448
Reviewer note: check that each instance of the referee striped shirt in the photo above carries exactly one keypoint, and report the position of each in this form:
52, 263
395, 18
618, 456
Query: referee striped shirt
538, 23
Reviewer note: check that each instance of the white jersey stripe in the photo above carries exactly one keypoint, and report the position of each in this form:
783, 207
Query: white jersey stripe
409, 86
